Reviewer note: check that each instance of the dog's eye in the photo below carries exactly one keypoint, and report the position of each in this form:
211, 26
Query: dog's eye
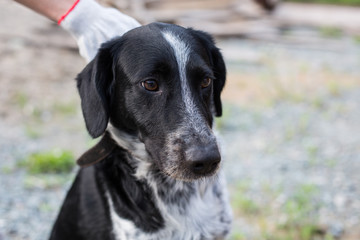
150, 85
206, 82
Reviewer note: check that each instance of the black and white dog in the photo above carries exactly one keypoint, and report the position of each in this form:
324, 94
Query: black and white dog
151, 94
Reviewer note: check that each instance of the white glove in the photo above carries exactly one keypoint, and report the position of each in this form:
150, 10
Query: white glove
91, 25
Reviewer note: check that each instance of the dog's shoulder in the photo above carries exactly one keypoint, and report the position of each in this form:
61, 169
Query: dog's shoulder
84, 202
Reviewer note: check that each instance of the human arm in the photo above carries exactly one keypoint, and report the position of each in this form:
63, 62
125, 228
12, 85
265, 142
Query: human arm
90, 23
52, 9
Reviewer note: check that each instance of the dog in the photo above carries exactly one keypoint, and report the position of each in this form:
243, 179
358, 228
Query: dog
152, 95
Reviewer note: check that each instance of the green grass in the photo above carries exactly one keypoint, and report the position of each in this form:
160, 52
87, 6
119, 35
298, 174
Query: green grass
312, 153
331, 32
7, 169
301, 84
21, 99
294, 219
300, 206
54, 161
236, 235
331, 162
301, 218
66, 109
241, 202
297, 128
46, 181
45, 207
32, 132
357, 39
245, 204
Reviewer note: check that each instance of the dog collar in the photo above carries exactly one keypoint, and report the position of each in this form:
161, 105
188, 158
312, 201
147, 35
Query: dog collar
98, 152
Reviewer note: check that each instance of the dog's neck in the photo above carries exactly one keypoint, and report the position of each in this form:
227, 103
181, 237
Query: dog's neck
129, 142
140, 158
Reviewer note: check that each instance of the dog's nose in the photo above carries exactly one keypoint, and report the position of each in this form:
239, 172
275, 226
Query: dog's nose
204, 160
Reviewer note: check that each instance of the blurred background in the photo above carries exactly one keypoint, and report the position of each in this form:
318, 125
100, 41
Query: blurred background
290, 130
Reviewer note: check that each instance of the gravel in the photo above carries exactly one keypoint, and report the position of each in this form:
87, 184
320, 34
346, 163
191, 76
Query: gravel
284, 145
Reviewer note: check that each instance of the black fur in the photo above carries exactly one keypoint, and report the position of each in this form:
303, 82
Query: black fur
217, 64
85, 212
111, 92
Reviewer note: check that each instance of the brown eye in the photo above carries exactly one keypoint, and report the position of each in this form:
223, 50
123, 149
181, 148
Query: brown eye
150, 85
206, 82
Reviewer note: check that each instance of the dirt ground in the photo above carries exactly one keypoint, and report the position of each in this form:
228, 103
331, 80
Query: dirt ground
290, 125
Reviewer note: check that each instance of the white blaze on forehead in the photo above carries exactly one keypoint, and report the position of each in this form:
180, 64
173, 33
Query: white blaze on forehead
182, 53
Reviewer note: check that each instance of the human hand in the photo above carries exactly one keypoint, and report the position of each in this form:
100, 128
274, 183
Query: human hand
92, 24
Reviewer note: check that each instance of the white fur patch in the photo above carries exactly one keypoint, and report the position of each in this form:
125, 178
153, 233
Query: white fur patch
128, 142
207, 215
182, 54
122, 228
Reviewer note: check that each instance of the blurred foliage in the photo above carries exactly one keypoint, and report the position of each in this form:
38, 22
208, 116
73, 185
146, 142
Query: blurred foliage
296, 83
32, 132
47, 180
220, 122
293, 218
21, 99
357, 39
331, 32
69, 108
54, 161
341, 2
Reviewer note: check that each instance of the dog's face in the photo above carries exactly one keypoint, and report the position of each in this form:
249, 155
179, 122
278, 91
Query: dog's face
162, 84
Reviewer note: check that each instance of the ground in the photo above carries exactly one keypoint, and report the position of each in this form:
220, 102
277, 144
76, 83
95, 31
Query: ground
289, 132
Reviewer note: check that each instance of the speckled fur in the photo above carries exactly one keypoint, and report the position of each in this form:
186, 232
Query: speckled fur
163, 180
194, 210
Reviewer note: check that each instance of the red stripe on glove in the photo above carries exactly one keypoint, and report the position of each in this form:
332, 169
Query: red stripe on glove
67, 13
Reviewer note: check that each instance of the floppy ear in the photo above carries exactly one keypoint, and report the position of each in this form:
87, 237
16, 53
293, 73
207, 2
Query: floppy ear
218, 67
94, 85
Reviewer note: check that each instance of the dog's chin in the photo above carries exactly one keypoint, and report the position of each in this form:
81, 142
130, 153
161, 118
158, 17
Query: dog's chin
186, 175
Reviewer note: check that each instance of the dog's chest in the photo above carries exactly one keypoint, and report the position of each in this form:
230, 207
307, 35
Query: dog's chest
190, 211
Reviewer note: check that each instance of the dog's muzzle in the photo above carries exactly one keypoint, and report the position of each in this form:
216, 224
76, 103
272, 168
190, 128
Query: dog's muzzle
203, 160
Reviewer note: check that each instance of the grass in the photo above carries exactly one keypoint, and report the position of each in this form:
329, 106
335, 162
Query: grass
312, 152
46, 181
32, 132
331, 32
297, 128
300, 212
36, 109
245, 205
283, 81
7, 169
299, 206
357, 39
242, 203
21, 99
66, 109
54, 161
294, 219
237, 236
331, 162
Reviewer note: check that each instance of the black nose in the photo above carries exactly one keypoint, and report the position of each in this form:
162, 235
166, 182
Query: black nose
203, 160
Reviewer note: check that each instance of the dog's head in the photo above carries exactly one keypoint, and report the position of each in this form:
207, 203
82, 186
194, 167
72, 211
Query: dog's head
161, 84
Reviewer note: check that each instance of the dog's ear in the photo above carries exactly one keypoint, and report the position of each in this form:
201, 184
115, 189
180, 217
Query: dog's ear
218, 66
95, 86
